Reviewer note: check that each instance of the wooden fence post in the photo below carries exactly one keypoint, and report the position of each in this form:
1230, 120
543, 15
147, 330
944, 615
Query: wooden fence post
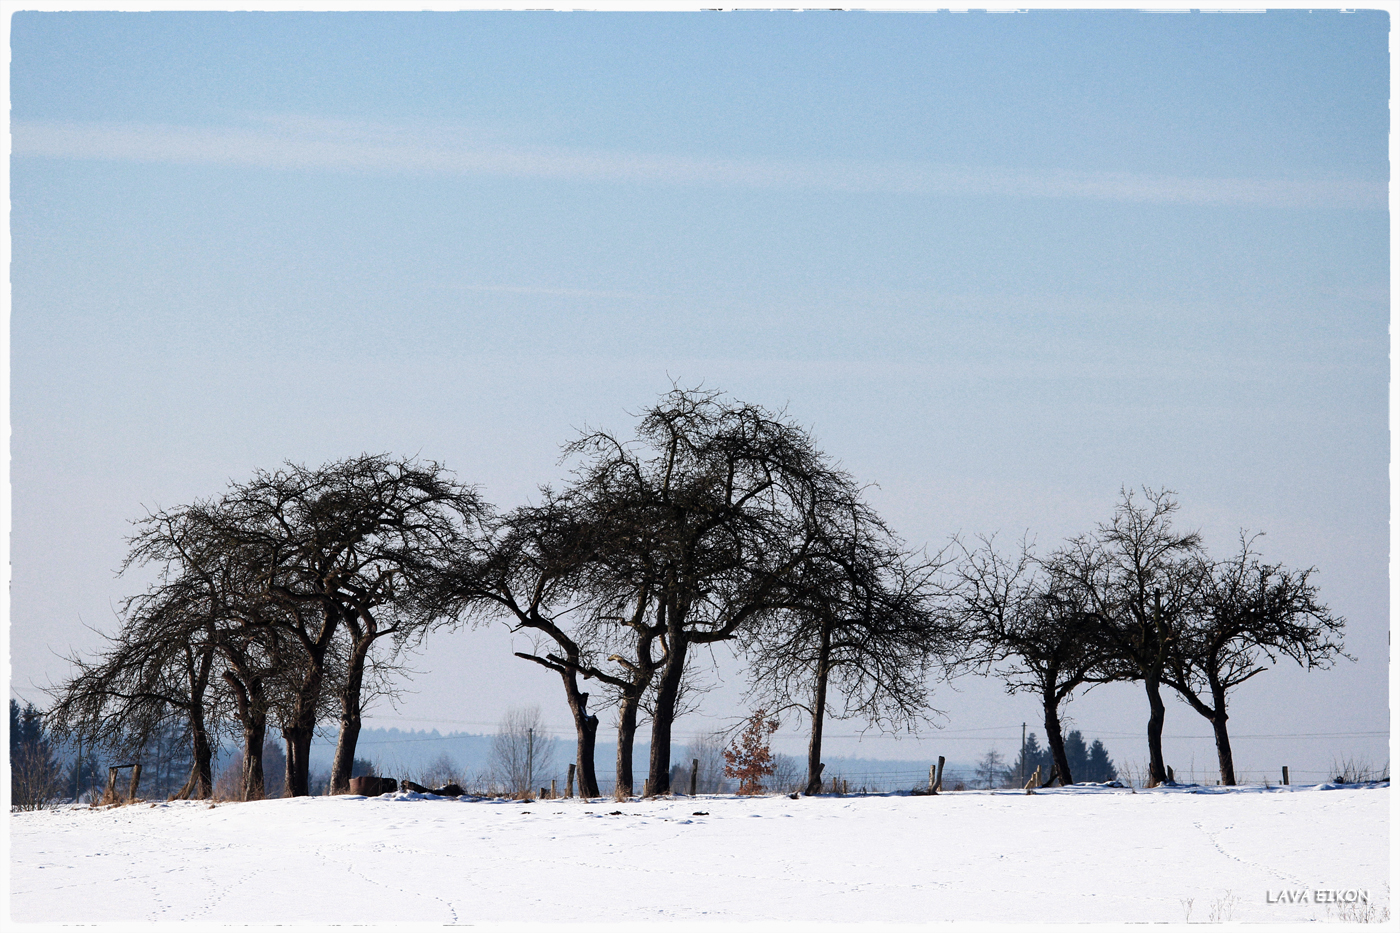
553, 789
694, 774
938, 785
569, 785
1285, 775
135, 779
111, 795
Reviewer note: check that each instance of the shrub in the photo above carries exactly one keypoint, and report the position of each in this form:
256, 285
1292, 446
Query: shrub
749, 758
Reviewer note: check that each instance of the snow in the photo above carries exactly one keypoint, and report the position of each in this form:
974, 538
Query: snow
1093, 853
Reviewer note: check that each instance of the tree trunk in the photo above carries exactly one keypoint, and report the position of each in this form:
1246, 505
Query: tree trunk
344, 762
298, 735
252, 716
667, 692
814, 743
1216, 716
586, 725
302, 729
350, 718
626, 736
640, 673
1156, 768
298, 759
1222, 740
1055, 738
254, 783
201, 783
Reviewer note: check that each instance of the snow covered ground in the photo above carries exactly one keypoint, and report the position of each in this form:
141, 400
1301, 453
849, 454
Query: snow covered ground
1062, 855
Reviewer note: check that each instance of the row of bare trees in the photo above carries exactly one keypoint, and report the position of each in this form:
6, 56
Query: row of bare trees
286, 601
717, 522
270, 605
1138, 600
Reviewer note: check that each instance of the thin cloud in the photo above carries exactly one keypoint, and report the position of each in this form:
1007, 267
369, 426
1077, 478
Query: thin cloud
296, 143
556, 292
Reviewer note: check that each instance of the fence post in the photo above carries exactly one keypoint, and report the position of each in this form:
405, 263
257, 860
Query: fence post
135, 779
694, 775
1285, 775
933, 779
939, 785
1171, 775
553, 789
111, 795
569, 785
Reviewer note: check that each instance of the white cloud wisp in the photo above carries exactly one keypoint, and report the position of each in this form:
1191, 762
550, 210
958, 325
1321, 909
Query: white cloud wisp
313, 144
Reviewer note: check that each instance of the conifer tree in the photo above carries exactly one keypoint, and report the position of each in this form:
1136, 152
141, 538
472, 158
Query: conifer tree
35, 775
1100, 767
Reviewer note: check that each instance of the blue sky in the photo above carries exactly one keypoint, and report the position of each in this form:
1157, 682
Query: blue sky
1001, 264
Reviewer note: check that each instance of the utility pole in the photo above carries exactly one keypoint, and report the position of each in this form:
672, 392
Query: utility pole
530, 761
1022, 769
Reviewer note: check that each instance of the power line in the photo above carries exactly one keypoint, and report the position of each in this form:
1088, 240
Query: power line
951, 735
1260, 735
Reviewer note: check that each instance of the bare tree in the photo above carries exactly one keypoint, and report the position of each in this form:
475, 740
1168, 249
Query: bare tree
520, 750
443, 770
358, 546
1250, 614
533, 569
992, 771
1030, 622
711, 499
159, 664
291, 579
1139, 579
860, 617
787, 774
708, 750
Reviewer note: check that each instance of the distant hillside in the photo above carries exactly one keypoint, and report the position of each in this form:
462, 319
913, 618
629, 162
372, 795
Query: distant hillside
407, 753
399, 752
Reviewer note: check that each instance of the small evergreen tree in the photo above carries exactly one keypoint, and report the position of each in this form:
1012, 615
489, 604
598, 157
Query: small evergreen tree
749, 758
1100, 766
1089, 763
1032, 756
1077, 754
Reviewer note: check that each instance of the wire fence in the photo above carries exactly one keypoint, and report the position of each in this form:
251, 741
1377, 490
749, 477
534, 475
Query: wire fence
415, 755
864, 780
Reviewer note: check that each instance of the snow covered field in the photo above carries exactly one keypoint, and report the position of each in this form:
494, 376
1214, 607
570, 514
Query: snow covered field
1068, 854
